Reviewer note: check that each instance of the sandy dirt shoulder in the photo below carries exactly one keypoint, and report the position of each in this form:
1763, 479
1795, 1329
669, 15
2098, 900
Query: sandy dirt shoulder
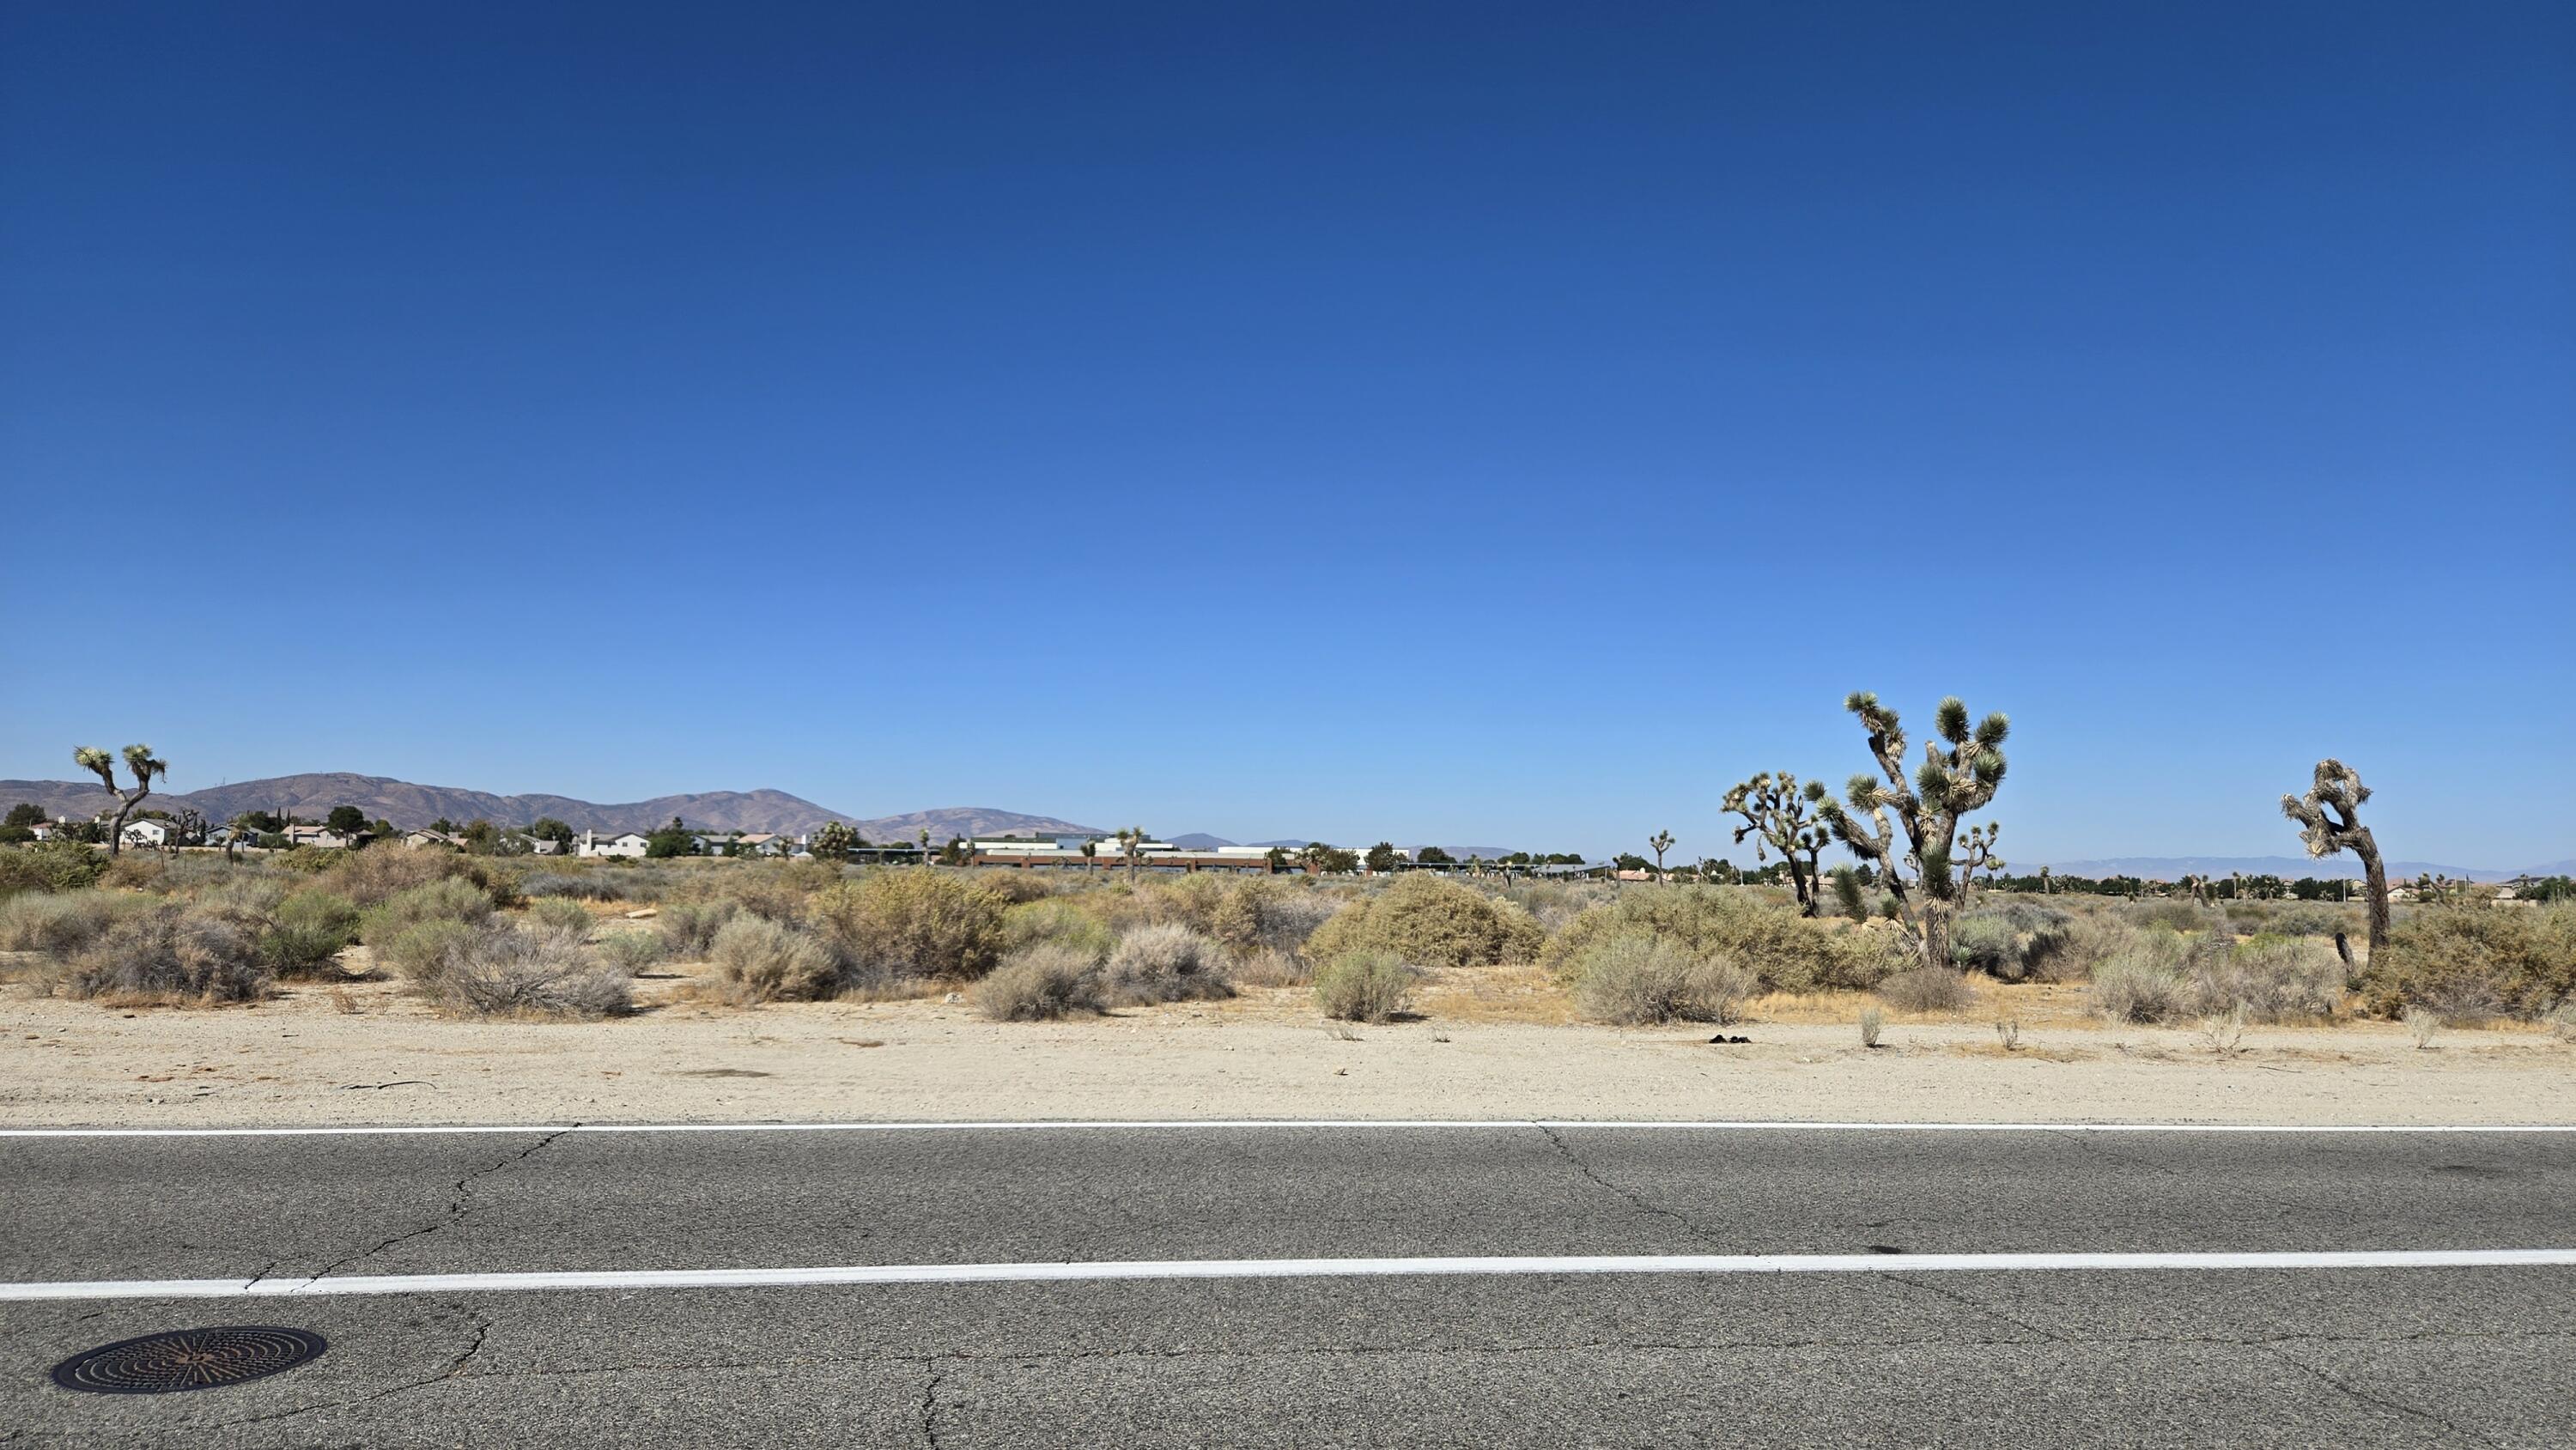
1490, 1045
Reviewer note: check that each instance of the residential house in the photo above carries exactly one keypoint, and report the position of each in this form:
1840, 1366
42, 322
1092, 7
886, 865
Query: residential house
151, 833
432, 838
625, 843
321, 837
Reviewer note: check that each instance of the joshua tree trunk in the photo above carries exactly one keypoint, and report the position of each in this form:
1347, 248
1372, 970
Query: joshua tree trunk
1936, 915
2375, 876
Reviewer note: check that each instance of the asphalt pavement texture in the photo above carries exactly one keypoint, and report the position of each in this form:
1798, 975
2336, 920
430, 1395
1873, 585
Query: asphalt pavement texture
2374, 1356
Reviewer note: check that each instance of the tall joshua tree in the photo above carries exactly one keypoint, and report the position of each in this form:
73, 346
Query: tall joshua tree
2329, 818
1777, 815
1947, 786
1660, 842
1131, 844
142, 762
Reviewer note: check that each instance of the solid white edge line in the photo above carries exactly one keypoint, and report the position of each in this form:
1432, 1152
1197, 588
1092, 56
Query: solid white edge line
1135, 1269
1076, 1125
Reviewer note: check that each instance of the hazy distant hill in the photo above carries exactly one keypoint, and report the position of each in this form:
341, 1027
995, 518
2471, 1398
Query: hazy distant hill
409, 805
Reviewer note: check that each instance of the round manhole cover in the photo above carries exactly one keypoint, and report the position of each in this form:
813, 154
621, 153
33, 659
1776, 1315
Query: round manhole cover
188, 1359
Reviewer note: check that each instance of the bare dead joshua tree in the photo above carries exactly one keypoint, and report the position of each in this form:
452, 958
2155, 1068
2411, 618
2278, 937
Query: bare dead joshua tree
142, 762
1778, 816
2329, 818
1948, 785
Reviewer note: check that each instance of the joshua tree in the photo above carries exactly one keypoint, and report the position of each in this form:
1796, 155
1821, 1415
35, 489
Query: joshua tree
1131, 845
2329, 818
1977, 855
1948, 784
142, 762
922, 838
832, 841
1659, 843
1777, 816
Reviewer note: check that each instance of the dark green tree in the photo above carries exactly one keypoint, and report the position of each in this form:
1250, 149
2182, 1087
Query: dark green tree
346, 820
1382, 857
675, 839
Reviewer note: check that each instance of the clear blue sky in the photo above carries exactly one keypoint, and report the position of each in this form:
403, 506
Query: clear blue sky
1485, 422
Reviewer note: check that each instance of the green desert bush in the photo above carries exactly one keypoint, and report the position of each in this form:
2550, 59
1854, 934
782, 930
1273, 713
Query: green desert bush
1431, 922
1166, 962
554, 913
1640, 978
58, 924
2474, 959
50, 866
418, 952
1016, 887
1788, 952
1040, 982
306, 930
912, 923
169, 953
1364, 986
633, 951
1264, 914
760, 960
2146, 981
689, 928
136, 870
587, 886
504, 970
2267, 979
2014, 942
2310, 918
446, 898
1927, 989
1057, 921
379, 873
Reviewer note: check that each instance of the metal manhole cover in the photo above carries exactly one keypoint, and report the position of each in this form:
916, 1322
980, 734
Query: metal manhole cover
188, 1359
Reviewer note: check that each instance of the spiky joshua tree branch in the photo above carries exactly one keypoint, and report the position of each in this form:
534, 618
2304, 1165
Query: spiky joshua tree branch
1913, 824
142, 762
1782, 816
2329, 818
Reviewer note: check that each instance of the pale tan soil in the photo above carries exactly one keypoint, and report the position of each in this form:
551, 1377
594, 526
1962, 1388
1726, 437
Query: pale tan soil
1492, 1044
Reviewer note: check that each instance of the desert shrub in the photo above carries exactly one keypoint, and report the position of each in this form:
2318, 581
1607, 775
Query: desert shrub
306, 930
503, 970
760, 960
633, 951
1641, 978
2266, 979
1056, 921
50, 866
554, 913
1016, 887
1927, 989
689, 927
761, 888
2175, 915
912, 923
2146, 981
584, 886
1040, 982
1273, 969
1432, 922
1790, 953
166, 952
1265, 914
136, 870
2309, 918
2473, 959
1365, 986
2014, 942
1163, 963
1554, 903
418, 953
60, 924
379, 873
446, 898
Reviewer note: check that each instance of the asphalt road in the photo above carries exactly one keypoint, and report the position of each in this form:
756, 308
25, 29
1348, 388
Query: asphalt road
2008, 1356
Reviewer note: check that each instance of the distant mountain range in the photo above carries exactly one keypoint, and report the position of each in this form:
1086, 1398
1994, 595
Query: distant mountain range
408, 805
2174, 868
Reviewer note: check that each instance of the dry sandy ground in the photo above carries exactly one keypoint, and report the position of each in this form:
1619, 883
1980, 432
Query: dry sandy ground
1491, 1044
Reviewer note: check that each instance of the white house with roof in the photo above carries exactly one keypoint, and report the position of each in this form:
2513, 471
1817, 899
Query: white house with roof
155, 834
432, 838
321, 837
631, 844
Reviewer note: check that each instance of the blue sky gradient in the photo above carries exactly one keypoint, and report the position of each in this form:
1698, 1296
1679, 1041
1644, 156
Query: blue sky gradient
1482, 422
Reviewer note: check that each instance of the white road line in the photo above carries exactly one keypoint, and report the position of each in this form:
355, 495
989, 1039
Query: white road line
1131, 1125
1276, 1269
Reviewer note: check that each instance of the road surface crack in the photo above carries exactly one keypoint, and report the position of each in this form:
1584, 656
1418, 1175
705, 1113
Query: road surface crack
930, 1403
454, 1367
459, 1203
1629, 1196
2363, 1397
